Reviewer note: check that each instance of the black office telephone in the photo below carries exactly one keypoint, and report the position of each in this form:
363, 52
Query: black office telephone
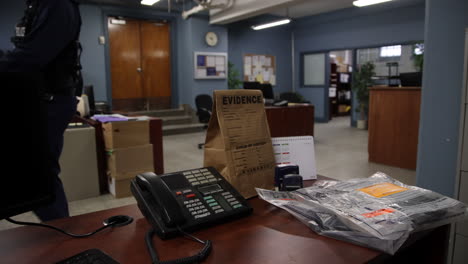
188, 200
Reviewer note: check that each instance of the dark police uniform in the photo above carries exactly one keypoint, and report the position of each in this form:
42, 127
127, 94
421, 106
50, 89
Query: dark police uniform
46, 41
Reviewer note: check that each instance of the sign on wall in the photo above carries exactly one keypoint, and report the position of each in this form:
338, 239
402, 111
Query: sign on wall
210, 65
260, 68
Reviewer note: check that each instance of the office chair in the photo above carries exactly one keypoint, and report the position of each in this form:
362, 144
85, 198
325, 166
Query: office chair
204, 104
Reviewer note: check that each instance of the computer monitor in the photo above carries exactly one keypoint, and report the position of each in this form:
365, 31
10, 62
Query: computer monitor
252, 85
24, 185
411, 79
266, 88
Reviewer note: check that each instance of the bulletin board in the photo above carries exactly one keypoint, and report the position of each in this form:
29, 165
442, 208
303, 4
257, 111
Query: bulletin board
210, 65
260, 68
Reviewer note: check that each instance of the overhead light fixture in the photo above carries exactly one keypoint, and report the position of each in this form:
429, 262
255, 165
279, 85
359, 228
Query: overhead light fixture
361, 3
272, 24
149, 2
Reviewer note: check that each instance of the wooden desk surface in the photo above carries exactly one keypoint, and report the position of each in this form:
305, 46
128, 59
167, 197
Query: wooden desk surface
270, 235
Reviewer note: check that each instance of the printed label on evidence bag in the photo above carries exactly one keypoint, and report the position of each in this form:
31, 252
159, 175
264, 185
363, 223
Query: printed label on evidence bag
242, 123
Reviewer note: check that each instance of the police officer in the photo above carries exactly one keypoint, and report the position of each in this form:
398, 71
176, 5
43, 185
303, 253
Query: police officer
46, 42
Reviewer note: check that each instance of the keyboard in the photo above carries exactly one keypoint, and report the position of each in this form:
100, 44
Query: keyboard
90, 256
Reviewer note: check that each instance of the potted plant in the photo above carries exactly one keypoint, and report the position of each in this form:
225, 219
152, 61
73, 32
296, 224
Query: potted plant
362, 80
234, 81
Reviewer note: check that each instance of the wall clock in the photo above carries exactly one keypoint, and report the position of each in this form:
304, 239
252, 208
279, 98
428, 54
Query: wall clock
211, 39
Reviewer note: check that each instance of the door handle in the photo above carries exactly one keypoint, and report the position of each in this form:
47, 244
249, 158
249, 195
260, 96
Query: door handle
139, 69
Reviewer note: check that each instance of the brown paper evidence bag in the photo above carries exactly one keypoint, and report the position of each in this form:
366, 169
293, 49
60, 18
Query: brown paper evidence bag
238, 142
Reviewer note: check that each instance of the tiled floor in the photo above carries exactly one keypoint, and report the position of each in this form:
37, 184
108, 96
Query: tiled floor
341, 153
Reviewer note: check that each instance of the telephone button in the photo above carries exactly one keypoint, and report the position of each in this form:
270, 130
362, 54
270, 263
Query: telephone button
190, 195
203, 181
195, 183
211, 201
219, 211
237, 206
178, 193
216, 207
231, 199
213, 204
208, 197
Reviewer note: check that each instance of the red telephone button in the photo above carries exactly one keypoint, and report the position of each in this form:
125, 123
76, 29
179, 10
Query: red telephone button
190, 195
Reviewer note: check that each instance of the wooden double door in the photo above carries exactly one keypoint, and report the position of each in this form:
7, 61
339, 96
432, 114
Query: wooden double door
140, 57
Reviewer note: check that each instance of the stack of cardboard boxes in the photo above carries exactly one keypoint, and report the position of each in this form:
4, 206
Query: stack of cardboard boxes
129, 153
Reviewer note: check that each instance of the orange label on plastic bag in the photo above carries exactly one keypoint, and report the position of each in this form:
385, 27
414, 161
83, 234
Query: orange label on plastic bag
378, 212
383, 189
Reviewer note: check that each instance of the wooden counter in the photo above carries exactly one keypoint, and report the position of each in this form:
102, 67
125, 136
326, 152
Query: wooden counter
394, 125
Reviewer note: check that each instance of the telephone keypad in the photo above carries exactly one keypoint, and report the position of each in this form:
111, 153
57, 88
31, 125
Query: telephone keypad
216, 198
200, 177
196, 208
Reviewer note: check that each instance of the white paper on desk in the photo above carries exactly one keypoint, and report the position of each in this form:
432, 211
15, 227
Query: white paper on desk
296, 150
268, 62
210, 61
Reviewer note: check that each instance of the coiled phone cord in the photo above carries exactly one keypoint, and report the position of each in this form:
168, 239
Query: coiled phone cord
200, 256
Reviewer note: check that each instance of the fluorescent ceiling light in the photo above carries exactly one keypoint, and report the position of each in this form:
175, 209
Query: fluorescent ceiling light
149, 2
361, 3
272, 24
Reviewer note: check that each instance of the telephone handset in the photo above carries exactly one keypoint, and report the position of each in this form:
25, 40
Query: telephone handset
187, 200
160, 195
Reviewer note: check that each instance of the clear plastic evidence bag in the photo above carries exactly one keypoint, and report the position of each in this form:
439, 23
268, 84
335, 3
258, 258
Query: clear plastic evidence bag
377, 212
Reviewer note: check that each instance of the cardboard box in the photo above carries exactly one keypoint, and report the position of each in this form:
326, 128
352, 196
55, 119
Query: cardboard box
119, 188
125, 134
342, 108
124, 163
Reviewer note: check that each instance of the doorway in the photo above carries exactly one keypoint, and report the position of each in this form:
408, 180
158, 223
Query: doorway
339, 92
140, 64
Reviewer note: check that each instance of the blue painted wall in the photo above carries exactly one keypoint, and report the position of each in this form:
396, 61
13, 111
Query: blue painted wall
273, 41
441, 94
196, 42
93, 59
11, 12
354, 28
